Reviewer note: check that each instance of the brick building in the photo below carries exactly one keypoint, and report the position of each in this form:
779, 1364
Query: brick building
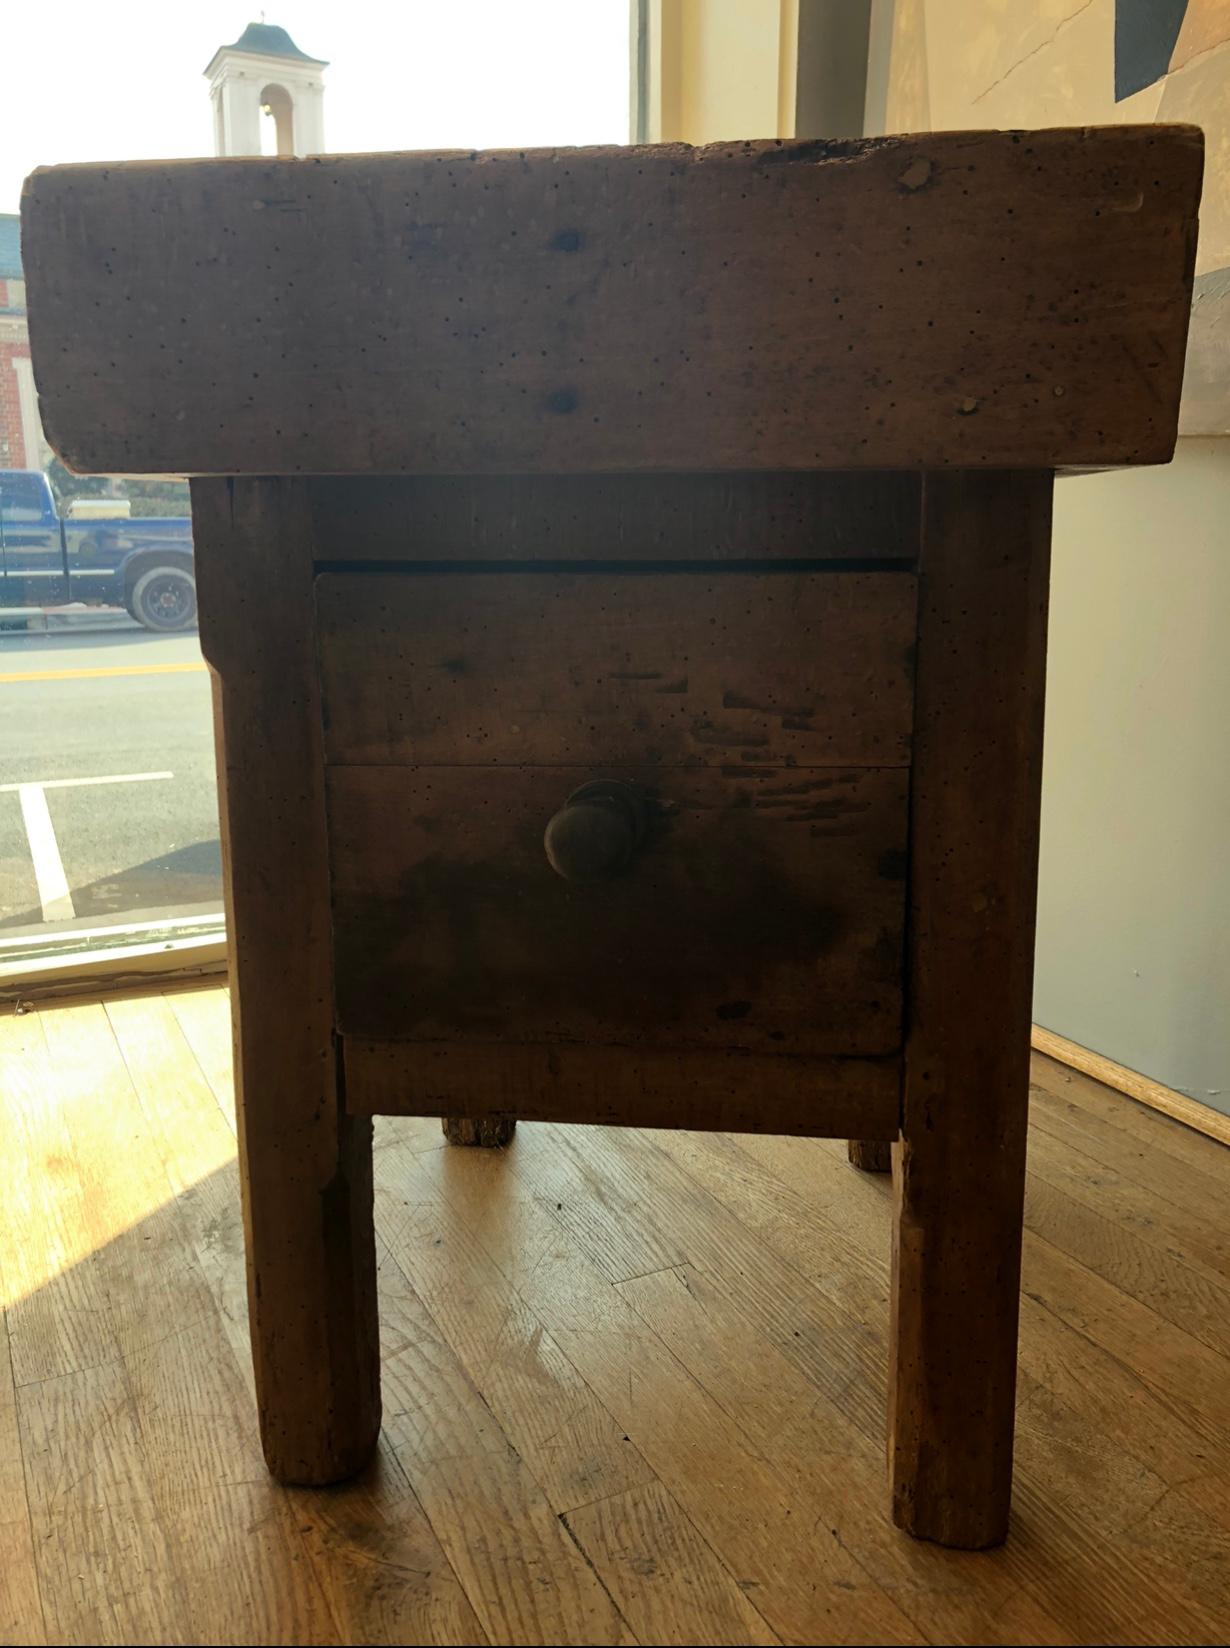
21, 434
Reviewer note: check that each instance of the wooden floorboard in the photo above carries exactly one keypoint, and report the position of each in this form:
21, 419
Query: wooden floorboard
634, 1382
21, 1609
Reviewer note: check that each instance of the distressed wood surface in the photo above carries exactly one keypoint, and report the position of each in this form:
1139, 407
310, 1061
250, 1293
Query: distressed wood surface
563, 669
872, 1155
764, 911
307, 1165
1183, 1155
624, 1087
336, 1543
146, 1493
976, 299
21, 1615
487, 1131
644, 1318
959, 1172
767, 516
1142, 1088
31, 1225
664, 1576
494, 1522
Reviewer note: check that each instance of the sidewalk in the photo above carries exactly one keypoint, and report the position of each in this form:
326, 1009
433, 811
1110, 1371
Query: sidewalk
39, 620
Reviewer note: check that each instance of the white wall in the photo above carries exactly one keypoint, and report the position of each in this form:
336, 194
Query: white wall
720, 69
1133, 955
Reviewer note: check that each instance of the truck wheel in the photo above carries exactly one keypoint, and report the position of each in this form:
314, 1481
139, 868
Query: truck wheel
164, 598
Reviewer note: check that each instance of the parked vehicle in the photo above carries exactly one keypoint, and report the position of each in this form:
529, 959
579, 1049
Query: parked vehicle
144, 565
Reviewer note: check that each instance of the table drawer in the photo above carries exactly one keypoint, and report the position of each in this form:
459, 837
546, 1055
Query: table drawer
564, 668
762, 911
762, 722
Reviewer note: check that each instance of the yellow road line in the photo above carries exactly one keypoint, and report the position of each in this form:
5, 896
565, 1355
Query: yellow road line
113, 669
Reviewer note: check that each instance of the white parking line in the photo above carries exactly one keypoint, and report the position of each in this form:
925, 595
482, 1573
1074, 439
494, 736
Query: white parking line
53, 893
73, 783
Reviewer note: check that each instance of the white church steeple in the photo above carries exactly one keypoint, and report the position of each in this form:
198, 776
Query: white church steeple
264, 75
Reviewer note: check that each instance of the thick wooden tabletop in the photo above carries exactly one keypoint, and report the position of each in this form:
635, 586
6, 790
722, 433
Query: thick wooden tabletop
1002, 299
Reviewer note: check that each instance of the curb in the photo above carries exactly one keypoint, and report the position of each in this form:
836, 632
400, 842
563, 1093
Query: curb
44, 620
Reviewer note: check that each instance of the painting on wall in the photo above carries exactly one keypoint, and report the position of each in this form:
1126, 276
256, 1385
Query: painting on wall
1005, 63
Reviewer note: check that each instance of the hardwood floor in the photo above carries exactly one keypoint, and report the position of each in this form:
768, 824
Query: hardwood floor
634, 1382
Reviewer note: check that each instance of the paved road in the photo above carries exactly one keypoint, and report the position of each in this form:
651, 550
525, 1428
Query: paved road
104, 704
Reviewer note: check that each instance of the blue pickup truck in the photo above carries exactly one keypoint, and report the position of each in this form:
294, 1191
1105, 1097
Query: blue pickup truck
142, 565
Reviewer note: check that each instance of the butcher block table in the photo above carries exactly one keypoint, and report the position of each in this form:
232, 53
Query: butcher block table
624, 577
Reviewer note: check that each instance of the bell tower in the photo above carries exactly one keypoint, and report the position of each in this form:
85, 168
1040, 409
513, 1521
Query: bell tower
268, 96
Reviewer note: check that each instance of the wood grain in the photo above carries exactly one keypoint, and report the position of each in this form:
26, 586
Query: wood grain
959, 1167
1140, 1128
772, 1356
1049, 1565
839, 1348
1118, 1250
204, 1018
93, 1501
871, 1155
380, 1564
569, 1441
1189, 1229
1161, 1367
148, 1496
488, 1132
21, 1611
1187, 1375
973, 299
488, 1511
768, 1394
762, 913
624, 1087
1144, 1089
50, 1332
626, 518
1177, 1160
820, 1591
644, 669
662, 1573
613, 1186
306, 1164
380, 1570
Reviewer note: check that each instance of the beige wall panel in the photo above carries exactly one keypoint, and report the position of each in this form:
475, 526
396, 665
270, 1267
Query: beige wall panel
1206, 25
1201, 93
1006, 64
909, 108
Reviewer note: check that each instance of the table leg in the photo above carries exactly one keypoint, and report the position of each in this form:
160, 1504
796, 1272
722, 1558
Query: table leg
959, 1172
305, 1165
483, 1130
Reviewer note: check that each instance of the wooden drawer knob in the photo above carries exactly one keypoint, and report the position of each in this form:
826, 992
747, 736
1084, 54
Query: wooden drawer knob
596, 831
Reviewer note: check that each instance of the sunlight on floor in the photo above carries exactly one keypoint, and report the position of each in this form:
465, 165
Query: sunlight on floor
79, 1083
